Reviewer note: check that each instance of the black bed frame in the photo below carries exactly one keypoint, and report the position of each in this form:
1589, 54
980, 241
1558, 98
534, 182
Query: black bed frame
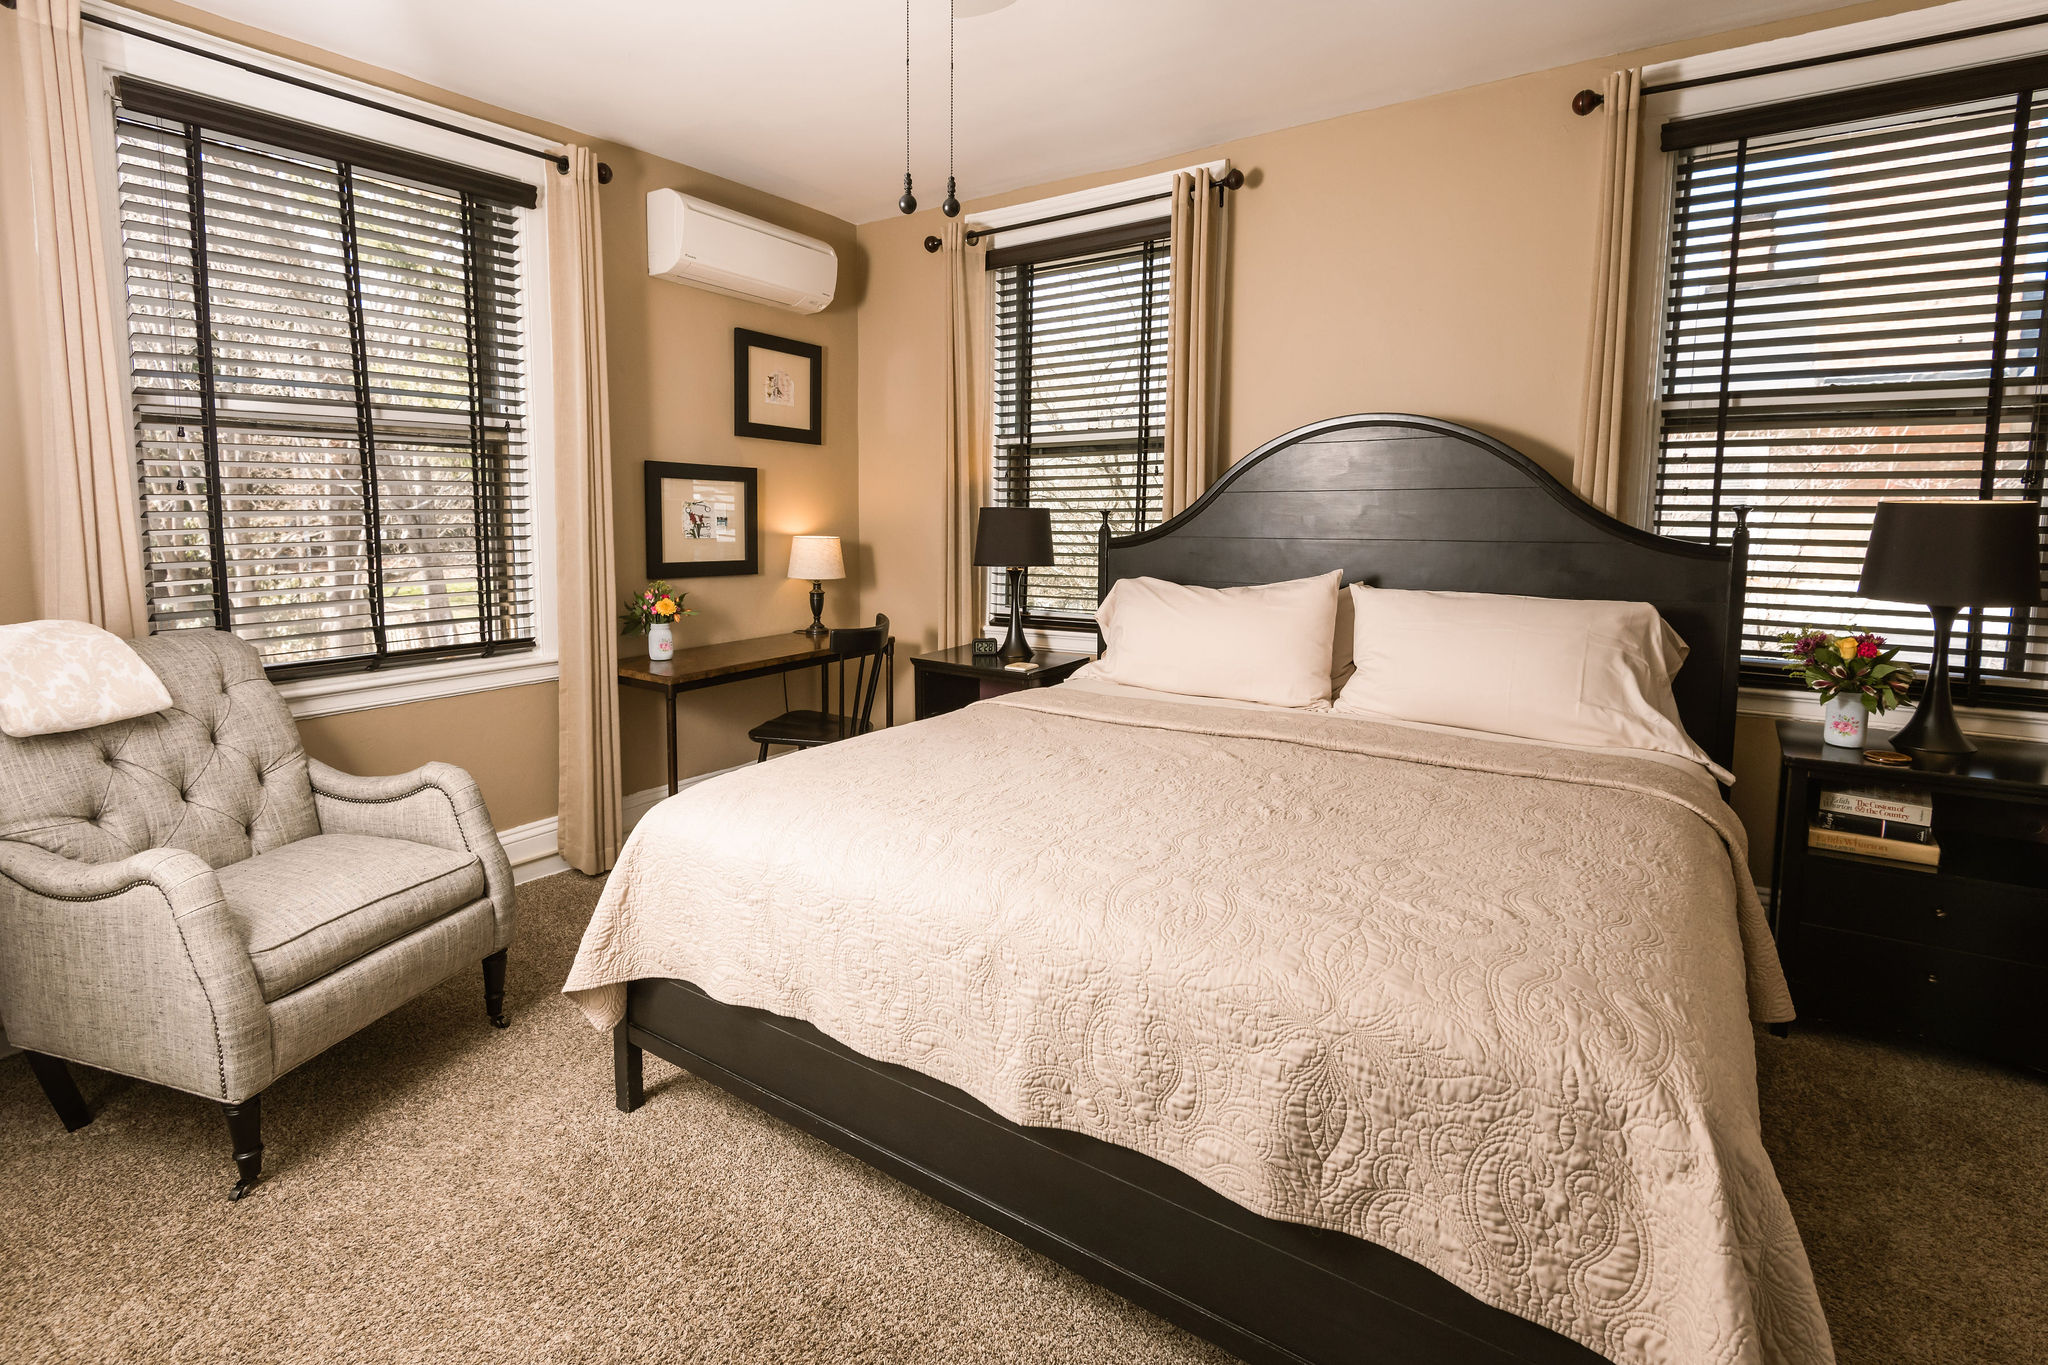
1396, 501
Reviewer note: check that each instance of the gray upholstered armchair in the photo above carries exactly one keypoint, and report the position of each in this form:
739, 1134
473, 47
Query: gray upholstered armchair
186, 898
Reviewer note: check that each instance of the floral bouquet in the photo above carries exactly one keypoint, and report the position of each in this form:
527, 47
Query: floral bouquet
1853, 665
657, 605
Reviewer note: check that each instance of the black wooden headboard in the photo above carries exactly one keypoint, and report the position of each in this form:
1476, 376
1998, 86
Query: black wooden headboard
1414, 502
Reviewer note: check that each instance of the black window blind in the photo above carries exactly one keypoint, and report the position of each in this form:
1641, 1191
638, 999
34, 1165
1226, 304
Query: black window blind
1854, 312
1080, 403
329, 395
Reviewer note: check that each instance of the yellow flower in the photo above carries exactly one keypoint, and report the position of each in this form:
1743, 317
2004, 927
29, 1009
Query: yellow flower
667, 607
1846, 647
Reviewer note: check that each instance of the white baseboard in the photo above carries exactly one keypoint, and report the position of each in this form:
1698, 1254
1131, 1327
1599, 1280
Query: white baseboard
532, 847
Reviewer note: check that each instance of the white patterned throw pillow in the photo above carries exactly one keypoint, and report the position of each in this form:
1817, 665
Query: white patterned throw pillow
66, 675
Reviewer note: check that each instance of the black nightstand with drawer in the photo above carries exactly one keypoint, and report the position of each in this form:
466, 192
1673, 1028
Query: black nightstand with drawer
1958, 955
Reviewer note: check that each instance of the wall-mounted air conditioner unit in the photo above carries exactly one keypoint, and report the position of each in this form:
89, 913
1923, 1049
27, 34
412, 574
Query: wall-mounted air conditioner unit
698, 243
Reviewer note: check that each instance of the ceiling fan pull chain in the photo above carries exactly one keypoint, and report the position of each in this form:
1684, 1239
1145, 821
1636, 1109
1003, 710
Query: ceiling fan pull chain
908, 203
951, 207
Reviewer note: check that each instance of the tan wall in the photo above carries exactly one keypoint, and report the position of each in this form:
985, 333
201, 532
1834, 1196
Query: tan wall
1431, 257
671, 399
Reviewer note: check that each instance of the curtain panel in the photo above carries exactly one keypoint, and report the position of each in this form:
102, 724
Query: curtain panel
1189, 460
590, 819
1600, 470
970, 441
88, 539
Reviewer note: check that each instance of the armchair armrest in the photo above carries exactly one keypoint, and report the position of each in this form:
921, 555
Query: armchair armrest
436, 804
134, 966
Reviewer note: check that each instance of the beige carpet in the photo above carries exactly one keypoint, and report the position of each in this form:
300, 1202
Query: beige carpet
439, 1191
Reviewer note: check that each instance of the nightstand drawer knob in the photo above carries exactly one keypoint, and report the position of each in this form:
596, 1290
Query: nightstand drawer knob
1940, 913
1933, 979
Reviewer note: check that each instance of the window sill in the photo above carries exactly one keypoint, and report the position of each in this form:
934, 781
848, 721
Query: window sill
1042, 637
1996, 722
345, 692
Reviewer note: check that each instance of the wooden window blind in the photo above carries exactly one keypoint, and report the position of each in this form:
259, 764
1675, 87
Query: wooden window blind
1854, 312
1080, 406
328, 387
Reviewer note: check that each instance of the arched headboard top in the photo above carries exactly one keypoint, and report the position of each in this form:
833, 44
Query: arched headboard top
1401, 501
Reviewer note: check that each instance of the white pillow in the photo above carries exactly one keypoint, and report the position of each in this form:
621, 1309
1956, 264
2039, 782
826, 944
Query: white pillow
1270, 643
67, 675
1590, 673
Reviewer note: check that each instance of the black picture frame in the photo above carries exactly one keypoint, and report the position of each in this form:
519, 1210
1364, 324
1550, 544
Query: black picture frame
655, 473
744, 341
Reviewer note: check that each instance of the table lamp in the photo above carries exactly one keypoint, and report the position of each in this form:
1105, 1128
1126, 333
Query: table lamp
1014, 538
1949, 554
816, 558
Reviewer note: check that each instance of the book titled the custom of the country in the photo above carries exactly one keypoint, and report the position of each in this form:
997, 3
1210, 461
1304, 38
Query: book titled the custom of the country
1875, 803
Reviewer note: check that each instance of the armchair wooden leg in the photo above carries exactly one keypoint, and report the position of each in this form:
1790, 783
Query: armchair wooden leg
764, 755
245, 1131
61, 1089
494, 988
626, 1056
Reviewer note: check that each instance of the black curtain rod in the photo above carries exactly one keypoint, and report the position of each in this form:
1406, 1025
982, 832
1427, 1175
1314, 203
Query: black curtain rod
1586, 101
1233, 181
561, 162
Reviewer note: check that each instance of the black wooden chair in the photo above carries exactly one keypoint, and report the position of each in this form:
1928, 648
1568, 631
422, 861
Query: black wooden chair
873, 652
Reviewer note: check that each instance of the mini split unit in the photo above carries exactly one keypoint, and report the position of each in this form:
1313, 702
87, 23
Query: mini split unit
697, 243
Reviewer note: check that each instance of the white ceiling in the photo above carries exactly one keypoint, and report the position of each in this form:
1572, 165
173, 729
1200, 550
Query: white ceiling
804, 98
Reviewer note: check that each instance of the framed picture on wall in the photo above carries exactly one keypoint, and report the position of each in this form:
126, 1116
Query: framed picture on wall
702, 520
778, 388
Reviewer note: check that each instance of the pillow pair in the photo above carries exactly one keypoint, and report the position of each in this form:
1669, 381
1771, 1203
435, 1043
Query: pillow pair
1588, 673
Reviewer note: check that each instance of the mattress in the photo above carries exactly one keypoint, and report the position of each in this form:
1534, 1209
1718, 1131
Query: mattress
1481, 1002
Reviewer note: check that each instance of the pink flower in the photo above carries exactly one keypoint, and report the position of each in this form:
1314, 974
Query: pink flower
1867, 650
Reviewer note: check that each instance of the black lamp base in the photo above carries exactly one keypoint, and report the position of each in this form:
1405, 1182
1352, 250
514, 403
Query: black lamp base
1933, 731
1016, 649
817, 626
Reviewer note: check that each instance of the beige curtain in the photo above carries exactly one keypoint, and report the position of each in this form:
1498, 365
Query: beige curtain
1600, 472
1191, 341
590, 821
88, 549
970, 438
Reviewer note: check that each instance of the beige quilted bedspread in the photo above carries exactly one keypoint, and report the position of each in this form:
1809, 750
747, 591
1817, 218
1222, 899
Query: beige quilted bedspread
1481, 1002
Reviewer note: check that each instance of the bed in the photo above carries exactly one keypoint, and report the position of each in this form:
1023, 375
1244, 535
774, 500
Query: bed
1326, 1039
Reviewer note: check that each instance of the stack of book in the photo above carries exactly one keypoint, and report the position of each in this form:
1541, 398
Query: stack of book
1897, 826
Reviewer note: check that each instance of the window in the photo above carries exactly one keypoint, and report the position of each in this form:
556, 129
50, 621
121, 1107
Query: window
1854, 312
328, 388
1080, 402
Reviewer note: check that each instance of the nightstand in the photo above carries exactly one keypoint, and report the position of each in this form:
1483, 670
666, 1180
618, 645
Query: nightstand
1958, 955
953, 678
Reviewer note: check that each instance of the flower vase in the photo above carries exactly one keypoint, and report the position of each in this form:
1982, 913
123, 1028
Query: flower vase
661, 642
1844, 721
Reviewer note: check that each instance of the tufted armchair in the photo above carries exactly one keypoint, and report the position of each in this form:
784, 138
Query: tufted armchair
186, 898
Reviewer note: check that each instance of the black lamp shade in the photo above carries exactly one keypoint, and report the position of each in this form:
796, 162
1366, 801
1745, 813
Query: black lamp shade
1013, 537
1955, 553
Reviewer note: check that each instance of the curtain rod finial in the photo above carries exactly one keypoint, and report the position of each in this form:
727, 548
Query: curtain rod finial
932, 244
604, 173
1586, 101
1233, 180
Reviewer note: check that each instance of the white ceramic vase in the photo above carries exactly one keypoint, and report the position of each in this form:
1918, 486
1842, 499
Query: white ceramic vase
1844, 721
661, 642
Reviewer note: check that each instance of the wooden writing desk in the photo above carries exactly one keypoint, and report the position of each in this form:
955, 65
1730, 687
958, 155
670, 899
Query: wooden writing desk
734, 661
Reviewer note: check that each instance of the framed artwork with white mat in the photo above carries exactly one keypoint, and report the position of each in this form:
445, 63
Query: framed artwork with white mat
778, 388
702, 520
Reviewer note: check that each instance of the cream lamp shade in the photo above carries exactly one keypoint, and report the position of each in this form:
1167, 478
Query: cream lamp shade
816, 558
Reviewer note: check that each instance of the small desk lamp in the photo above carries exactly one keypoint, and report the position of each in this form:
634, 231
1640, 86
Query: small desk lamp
816, 558
1949, 554
1014, 538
